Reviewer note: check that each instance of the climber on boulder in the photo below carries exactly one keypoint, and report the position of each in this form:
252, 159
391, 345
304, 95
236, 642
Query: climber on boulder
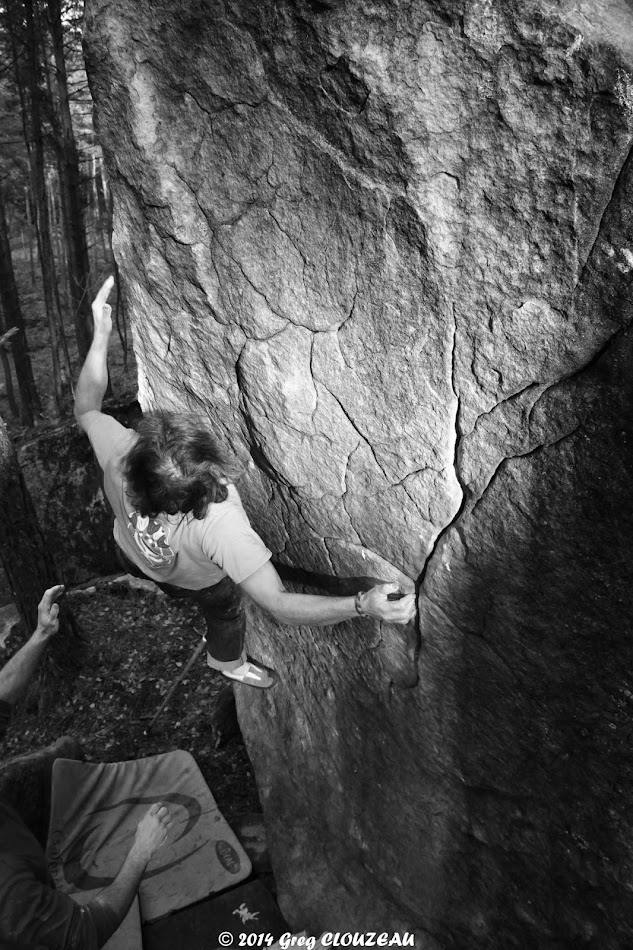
178, 520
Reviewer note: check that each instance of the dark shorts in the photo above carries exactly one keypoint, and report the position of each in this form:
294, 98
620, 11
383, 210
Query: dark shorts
222, 607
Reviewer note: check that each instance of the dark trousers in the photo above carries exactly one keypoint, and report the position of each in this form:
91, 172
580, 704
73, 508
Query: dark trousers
221, 606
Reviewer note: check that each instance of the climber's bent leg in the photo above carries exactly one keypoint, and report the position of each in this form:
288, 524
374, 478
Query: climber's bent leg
222, 607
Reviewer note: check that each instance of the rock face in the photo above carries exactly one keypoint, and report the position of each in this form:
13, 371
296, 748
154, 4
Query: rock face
386, 249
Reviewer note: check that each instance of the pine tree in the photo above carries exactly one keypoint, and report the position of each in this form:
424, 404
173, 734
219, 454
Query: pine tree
24, 33
12, 317
70, 183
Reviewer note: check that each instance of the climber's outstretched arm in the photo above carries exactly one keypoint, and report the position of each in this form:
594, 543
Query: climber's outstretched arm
93, 379
266, 588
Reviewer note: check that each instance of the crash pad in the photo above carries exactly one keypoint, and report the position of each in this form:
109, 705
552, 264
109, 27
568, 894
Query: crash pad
94, 813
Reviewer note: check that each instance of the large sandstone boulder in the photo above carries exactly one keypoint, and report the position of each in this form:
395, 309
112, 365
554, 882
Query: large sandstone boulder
386, 249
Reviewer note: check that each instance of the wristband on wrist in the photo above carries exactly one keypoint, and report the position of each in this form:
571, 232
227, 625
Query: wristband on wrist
359, 609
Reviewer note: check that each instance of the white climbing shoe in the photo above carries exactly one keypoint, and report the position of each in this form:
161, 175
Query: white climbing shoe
252, 674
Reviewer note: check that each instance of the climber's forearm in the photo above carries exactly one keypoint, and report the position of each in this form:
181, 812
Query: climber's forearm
93, 379
267, 589
313, 609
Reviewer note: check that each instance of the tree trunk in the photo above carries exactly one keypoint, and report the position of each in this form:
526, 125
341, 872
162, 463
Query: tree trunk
29, 567
70, 186
13, 318
32, 120
27, 203
8, 382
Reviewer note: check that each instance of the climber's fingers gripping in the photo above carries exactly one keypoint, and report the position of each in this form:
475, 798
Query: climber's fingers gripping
388, 602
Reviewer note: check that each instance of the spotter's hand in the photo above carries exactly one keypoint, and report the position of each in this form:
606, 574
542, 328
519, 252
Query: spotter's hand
101, 310
48, 613
377, 603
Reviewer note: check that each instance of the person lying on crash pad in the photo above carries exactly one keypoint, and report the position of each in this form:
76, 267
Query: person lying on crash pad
33, 914
179, 521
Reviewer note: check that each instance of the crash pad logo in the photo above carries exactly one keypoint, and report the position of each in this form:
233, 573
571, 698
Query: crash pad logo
227, 856
152, 539
79, 853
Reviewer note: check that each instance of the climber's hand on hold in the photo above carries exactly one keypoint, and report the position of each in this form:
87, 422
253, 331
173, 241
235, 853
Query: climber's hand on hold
387, 602
101, 310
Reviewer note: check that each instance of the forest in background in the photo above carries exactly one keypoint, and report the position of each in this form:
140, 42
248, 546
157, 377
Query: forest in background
55, 211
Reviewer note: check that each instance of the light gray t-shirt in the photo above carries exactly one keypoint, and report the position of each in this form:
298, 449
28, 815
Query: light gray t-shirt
175, 549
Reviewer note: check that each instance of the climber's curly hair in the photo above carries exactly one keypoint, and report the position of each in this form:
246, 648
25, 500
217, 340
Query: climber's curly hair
175, 466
